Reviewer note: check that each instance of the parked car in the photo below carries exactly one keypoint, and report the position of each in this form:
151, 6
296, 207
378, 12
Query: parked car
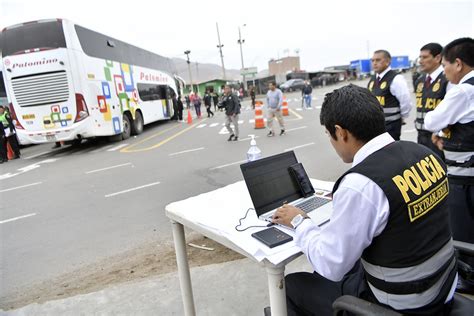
292, 85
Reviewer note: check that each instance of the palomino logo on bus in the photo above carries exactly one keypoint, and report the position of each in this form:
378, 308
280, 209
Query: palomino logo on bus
152, 77
44, 61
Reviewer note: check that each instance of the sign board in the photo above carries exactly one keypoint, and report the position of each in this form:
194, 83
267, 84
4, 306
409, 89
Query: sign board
248, 71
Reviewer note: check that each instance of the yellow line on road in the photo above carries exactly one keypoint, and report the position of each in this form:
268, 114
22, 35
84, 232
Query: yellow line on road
130, 150
296, 114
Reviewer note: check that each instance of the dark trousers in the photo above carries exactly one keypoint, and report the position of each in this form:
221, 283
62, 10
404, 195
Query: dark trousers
209, 112
3, 148
461, 204
312, 294
180, 113
424, 138
198, 110
394, 128
13, 141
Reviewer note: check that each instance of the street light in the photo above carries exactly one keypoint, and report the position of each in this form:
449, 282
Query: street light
220, 50
187, 52
240, 41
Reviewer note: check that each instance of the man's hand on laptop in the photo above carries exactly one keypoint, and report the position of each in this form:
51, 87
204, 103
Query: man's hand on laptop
285, 214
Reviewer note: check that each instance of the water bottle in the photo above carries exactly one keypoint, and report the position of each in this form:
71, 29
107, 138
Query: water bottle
254, 152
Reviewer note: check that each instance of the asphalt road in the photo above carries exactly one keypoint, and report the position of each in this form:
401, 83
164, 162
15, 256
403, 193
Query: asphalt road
64, 208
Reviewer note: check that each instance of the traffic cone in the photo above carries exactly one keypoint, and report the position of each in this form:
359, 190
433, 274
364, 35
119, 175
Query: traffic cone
10, 153
190, 118
259, 122
284, 107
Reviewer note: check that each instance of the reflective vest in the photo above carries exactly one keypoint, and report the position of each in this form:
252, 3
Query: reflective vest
4, 120
389, 103
428, 98
411, 264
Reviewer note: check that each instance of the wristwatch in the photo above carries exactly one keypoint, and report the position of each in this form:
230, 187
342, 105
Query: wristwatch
297, 220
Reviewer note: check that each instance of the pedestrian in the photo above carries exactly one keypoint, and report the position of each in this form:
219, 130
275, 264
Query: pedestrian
274, 102
196, 99
252, 96
10, 132
174, 101
208, 103
430, 91
180, 108
188, 102
377, 246
392, 92
455, 117
306, 94
3, 144
241, 94
215, 100
230, 102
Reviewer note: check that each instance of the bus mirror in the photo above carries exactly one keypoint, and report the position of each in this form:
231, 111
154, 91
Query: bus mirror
110, 43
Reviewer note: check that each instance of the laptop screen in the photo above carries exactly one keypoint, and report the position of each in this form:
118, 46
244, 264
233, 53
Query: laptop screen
269, 181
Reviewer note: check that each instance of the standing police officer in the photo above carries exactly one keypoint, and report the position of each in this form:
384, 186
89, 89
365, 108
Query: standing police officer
9, 132
392, 92
430, 91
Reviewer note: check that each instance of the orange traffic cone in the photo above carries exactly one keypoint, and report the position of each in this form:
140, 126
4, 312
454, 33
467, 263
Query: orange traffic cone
190, 118
259, 122
10, 153
284, 107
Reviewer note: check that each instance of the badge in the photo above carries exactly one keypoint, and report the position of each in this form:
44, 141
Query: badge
371, 86
436, 86
419, 87
383, 85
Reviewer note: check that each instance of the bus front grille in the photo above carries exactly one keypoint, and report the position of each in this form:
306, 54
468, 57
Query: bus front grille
41, 89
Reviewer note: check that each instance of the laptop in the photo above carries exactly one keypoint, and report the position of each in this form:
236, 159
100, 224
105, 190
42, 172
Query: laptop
270, 185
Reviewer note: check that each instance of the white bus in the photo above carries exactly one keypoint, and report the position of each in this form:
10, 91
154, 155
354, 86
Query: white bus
66, 83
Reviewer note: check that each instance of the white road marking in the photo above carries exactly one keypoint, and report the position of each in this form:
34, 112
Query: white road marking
101, 149
117, 147
410, 130
17, 218
107, 168
247, 138
296, 128
318, 107
251, 121
27, 168
299, 109
20, 187
37, 155
201, 125
132, 189
213, 124
229, 164
240, 122
300, 146
186, 151
223, 131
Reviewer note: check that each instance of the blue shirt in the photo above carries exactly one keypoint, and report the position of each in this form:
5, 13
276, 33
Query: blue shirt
274, 99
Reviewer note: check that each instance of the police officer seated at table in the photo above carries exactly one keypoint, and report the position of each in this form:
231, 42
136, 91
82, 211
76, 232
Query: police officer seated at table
388, 240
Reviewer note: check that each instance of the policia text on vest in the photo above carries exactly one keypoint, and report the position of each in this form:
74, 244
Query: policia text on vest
419, 180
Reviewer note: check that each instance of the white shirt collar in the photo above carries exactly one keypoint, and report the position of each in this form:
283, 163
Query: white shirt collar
436, 73
372, 146
384, 72
468, 76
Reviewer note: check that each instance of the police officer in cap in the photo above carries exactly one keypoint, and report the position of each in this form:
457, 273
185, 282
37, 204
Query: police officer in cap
9, 132
430, 90
379, 219
455, 117
392, 92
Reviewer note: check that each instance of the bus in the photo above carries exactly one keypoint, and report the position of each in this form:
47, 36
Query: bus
65, 82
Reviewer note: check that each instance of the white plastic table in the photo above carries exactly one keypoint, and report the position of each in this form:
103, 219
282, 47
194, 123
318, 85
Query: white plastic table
214, 214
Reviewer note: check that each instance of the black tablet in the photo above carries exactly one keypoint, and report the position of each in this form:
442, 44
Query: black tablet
272, 237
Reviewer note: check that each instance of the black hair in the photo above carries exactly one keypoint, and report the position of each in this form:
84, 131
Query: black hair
355, 109
434, 48
462, 48
385, 53
273, 83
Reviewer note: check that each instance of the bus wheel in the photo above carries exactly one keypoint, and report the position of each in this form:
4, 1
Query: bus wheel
127, 126
137, 126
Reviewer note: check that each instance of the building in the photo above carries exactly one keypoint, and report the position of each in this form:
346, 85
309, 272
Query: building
278, 67
213, 85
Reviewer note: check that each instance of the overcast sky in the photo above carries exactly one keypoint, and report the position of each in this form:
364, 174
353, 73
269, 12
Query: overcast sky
324, 32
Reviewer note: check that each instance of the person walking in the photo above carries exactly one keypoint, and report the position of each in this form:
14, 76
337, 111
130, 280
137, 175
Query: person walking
174, 101
180, 108
392, 92
274, 102
215, 100
454, 116
306, 94
208, 103
252, 97
9, 131
230, 102
3, 145
196, 99
430, 90
188, 102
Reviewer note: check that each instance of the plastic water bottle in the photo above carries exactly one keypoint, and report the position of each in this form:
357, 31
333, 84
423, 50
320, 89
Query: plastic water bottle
254, 152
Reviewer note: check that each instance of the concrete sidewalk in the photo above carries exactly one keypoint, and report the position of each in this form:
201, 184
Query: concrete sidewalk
231, 288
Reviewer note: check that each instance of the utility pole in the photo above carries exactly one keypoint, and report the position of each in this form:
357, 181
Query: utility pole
197, 72
220, 51
187, 52
368, 49
240, 41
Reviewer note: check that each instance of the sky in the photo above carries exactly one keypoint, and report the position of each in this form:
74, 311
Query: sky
322, 33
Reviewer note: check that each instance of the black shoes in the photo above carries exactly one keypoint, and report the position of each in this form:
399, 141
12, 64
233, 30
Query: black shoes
230, 137
236, 138
282, 132
270, 134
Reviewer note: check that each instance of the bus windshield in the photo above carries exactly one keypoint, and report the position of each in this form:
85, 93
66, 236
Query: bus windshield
33, 35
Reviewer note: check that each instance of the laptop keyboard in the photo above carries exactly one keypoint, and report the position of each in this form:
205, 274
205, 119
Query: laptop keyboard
312, 203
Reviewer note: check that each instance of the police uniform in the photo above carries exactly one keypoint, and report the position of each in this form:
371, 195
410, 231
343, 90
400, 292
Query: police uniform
3, 147
401, 233
430, 91
455, 114
392, 92
10, 135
